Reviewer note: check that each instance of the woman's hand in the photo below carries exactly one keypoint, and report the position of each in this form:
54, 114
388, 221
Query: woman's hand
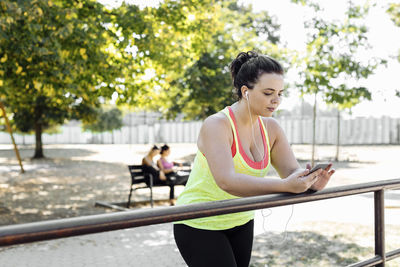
323, 177
300, 180
162, 176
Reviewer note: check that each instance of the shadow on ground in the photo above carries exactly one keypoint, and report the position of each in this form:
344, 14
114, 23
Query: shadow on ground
301, 249
66, 183
27, 152
60, 188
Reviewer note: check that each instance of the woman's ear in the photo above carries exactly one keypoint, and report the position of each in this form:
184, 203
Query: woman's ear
245, 91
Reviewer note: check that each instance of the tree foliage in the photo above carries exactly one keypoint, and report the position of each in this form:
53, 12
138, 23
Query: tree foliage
394, 12
106, 121
332, 60
205, 87
158, 44
61, 59
53, 55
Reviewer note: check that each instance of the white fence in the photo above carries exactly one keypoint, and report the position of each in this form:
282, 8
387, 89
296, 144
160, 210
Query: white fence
383, 130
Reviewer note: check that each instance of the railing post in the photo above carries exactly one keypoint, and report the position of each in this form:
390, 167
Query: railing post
379, 205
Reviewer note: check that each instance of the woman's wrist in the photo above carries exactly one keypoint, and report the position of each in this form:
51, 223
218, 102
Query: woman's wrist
286, 185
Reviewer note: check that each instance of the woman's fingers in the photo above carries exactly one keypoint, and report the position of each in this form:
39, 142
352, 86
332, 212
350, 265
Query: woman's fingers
328, 167
325, 176
313, 177
308, 166
302, 172
302, 179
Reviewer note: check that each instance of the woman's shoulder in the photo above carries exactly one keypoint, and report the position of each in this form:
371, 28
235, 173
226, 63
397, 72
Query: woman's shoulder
216, 121
147, 161
215, 128
273, 128
270, 122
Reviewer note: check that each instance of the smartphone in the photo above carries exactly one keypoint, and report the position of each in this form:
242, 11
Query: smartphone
319, 166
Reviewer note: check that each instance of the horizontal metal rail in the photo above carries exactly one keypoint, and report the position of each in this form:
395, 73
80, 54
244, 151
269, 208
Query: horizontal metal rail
51, 229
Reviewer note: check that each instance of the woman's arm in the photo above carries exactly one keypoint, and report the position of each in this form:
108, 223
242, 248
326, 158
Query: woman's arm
282, 156
215, 141
283, 159
146, 162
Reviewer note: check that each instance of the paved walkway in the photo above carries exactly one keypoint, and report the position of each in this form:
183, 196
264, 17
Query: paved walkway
143, 246
154, 245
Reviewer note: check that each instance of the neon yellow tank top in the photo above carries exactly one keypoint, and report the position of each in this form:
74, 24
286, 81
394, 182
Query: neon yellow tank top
201, 186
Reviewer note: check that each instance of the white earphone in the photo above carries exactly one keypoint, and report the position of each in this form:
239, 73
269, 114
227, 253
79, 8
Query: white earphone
247, 95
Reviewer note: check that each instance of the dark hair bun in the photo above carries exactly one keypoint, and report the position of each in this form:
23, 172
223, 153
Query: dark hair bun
241, 58
164, 148
247, 67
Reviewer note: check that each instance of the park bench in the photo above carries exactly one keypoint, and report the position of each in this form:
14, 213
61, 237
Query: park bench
138, 176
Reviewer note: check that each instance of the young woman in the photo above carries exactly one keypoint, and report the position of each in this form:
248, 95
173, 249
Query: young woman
236, 147
150, 167
163, 163
169, 168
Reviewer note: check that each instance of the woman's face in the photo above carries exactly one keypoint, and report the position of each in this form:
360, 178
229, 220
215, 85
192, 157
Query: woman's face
167, 152
266, 94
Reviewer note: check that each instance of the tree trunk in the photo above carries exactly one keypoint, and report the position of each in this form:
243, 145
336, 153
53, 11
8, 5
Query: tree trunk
12, 137
314, 127
38, 145
398, 133
338, 137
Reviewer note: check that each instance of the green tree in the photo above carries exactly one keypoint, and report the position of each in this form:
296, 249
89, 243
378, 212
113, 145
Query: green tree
53, 54
394, 12
170, 47
60, 57
7, 123
331, 61
205, 86
158, 44
106, 121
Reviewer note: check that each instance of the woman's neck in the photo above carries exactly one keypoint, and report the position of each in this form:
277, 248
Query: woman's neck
242, 112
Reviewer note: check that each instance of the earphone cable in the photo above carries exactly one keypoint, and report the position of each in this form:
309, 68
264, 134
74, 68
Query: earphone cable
262, 168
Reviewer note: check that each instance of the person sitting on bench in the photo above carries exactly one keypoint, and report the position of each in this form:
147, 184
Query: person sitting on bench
169, 168
149, 166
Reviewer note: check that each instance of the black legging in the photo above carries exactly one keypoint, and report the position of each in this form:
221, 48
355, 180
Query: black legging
177, 179
208, 248
172, 179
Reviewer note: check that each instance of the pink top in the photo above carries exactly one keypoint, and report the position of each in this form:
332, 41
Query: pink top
167, 165
256, 165
250, 162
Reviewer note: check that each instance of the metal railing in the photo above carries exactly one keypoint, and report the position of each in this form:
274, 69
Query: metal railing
45, 230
